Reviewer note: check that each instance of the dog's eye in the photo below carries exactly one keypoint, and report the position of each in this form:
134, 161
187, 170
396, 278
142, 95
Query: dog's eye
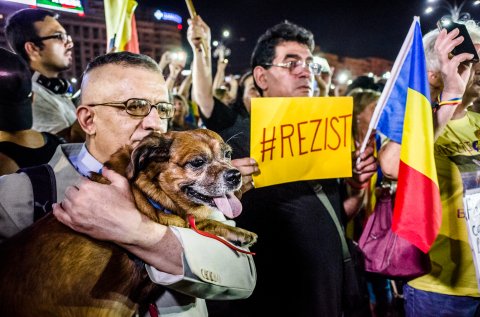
197, 163
228, 155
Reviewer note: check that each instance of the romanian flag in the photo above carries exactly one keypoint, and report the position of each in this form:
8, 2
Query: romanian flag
121, 25
406, 118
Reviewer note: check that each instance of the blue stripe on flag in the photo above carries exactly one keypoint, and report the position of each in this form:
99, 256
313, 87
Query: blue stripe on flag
413, 75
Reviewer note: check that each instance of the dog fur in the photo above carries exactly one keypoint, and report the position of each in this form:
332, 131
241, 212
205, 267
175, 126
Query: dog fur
50, 270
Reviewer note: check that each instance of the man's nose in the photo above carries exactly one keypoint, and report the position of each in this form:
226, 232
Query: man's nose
69, 43
306, 71
153, 122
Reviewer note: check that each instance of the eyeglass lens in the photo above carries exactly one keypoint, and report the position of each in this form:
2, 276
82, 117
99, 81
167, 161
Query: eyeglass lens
139, 107
297, 67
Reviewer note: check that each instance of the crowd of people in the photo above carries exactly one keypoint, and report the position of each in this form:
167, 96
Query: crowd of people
298, 269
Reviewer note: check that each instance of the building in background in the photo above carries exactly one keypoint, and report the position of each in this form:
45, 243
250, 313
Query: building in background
349, 68
158, 31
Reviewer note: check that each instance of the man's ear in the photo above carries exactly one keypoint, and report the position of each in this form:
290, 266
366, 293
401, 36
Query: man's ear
33, 51
85, 117
259, 75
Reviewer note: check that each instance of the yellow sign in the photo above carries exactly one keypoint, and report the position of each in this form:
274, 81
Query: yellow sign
301, 138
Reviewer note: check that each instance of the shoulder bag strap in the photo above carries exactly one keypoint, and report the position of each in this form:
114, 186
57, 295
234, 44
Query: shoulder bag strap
317, 188
44, 187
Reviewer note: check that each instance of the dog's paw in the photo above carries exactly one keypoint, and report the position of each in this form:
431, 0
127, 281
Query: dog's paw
235, 235
242, 237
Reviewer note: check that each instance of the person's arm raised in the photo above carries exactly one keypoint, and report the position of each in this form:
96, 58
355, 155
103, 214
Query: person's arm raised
455, 73
201, 65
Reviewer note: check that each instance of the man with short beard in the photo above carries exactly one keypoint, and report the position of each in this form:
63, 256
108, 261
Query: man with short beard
38, 37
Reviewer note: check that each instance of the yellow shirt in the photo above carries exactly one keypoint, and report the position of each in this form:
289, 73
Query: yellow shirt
453, 271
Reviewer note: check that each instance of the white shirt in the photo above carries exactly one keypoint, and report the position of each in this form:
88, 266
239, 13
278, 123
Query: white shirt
51, 112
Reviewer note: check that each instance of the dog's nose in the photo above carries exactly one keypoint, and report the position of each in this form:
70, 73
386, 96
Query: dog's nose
232, 177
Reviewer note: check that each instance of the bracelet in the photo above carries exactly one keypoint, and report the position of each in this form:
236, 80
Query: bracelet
450, 102
355, 185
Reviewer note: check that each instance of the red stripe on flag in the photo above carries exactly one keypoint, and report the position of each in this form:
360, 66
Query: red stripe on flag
418, 212
132, 44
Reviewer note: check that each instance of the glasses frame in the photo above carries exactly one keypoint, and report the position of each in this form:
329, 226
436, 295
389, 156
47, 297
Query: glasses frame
292, 65
124, 105
64, 37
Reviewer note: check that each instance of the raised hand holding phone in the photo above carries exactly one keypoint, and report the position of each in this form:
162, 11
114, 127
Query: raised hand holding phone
464, 47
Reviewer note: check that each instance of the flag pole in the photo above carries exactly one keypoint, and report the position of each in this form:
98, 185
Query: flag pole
389, 85
193, 14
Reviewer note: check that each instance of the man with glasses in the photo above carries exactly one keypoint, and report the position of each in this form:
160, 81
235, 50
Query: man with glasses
38, 37
124, 98
299, 253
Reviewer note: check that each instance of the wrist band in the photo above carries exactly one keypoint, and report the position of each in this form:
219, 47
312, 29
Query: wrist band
457, 100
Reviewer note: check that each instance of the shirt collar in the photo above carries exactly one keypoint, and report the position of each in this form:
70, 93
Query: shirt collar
85, 163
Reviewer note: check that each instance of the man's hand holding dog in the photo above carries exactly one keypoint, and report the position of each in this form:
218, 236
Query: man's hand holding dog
107, 212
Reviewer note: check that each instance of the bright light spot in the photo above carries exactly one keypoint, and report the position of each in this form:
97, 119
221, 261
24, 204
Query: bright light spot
73, 80
446, 22
226, 33
431, 1
342, 78
349, 82
476, 3
179, 26
332, 86
386, 75
215, 43
428, 10
181, 56
370, 75
186, 72
158, 15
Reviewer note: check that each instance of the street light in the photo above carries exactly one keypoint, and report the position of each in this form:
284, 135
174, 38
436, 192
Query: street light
454, 10
226, 34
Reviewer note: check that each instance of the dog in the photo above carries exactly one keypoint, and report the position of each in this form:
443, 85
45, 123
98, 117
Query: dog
50, 270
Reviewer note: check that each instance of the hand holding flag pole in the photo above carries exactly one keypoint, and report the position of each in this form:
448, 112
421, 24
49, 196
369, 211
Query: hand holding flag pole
193, 14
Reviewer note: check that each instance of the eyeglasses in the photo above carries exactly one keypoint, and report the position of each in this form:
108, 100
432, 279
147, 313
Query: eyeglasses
295, 67
64, 37
141, 107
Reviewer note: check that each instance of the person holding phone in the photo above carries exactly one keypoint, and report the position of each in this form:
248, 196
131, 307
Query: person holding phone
450, 289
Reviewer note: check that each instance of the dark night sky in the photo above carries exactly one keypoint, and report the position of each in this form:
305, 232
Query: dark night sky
369, 28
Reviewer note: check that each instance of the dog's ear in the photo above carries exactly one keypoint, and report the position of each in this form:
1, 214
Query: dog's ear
153, 148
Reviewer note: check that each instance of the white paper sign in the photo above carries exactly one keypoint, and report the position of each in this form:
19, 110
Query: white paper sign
471, 202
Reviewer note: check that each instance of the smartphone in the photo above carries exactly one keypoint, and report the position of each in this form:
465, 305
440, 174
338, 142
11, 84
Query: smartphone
467, 45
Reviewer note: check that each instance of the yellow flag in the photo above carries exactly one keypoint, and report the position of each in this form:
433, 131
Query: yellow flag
301, 138
121, 26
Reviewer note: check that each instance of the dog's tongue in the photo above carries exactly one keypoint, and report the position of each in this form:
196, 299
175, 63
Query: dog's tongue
230, 206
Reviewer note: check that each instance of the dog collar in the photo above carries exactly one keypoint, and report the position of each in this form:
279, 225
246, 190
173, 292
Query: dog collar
158, 206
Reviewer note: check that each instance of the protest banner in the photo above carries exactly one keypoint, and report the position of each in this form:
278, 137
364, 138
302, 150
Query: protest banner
301, 138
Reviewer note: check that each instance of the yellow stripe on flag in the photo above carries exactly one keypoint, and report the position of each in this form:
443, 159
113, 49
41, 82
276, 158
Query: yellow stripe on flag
118, 18
417, 139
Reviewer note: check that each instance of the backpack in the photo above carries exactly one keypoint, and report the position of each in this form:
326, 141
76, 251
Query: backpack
44, 187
